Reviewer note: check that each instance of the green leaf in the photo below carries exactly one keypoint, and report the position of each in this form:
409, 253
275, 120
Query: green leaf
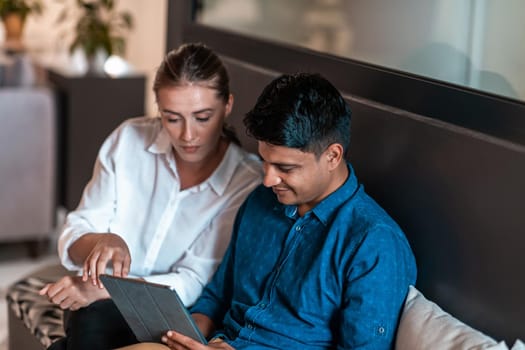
98, 25
127, 19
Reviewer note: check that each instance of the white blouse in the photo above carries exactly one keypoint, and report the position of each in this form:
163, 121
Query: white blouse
175, 237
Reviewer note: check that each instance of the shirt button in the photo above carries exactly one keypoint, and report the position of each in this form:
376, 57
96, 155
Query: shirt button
249, 326
298, 228
381, 330
263, 305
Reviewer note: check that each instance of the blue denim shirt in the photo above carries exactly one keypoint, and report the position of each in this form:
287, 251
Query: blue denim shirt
335, 278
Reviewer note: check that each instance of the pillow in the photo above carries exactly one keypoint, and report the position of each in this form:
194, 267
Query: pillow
518, 345
424, 325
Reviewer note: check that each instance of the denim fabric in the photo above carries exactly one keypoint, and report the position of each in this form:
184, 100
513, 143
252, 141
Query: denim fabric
336, 277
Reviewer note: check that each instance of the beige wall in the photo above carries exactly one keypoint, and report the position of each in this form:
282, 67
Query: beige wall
145, 46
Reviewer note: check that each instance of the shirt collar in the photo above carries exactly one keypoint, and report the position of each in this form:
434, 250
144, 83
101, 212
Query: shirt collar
328, 206
222, 176
162, 143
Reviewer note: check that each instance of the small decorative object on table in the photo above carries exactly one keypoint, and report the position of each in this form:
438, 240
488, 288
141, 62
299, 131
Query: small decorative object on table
13, 14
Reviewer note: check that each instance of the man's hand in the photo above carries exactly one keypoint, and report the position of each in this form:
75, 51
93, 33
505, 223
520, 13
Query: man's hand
71, 292
178, 341
108, 247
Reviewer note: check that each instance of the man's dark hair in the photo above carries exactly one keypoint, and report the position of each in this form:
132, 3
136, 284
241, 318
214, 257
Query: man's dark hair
303, 111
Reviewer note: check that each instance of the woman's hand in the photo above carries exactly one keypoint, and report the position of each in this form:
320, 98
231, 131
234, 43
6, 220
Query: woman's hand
70, 292
109, 247
178, 341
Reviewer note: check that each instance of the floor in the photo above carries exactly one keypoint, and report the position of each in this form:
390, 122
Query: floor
14, 264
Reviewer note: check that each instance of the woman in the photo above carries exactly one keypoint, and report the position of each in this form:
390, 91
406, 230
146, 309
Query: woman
161, 202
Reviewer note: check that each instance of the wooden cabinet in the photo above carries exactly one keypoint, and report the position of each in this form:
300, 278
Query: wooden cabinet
89, 108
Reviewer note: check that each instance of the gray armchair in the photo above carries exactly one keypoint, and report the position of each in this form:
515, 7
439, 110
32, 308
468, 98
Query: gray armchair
27, 163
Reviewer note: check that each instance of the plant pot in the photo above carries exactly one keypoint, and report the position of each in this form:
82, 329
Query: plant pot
95, 63
14, 28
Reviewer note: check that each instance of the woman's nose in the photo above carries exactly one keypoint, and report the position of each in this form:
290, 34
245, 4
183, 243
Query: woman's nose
188, 134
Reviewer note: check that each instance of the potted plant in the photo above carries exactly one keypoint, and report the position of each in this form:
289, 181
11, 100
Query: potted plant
14, 13
98, 27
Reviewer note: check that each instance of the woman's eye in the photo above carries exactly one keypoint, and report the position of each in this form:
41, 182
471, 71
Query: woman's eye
202, 118
172, 120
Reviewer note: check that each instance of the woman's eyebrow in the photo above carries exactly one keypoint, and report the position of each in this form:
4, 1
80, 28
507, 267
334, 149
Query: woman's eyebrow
203, 110
165, 110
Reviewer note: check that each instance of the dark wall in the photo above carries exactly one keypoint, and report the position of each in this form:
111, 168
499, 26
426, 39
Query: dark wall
90, 107
458, 194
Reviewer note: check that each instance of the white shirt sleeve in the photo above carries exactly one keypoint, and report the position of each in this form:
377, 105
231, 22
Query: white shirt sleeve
96, 208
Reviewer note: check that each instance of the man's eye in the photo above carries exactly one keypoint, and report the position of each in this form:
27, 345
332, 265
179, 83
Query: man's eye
285, 169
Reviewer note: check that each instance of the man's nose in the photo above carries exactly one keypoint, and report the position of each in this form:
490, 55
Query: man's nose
271, 178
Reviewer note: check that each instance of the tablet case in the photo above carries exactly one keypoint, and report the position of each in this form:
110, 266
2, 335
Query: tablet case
150, 309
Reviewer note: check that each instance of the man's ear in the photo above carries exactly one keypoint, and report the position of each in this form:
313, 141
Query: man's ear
334, 155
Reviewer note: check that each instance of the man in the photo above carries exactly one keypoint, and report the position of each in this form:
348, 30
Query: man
314, 262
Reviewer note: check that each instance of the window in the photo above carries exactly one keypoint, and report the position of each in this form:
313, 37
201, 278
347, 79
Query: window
471, 43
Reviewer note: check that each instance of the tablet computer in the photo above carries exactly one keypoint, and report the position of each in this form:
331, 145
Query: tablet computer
150, 309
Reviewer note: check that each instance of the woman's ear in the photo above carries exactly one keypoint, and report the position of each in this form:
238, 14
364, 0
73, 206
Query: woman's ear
229, 105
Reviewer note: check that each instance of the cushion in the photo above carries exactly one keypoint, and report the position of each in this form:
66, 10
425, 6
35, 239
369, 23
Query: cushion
424, 325
41, 317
